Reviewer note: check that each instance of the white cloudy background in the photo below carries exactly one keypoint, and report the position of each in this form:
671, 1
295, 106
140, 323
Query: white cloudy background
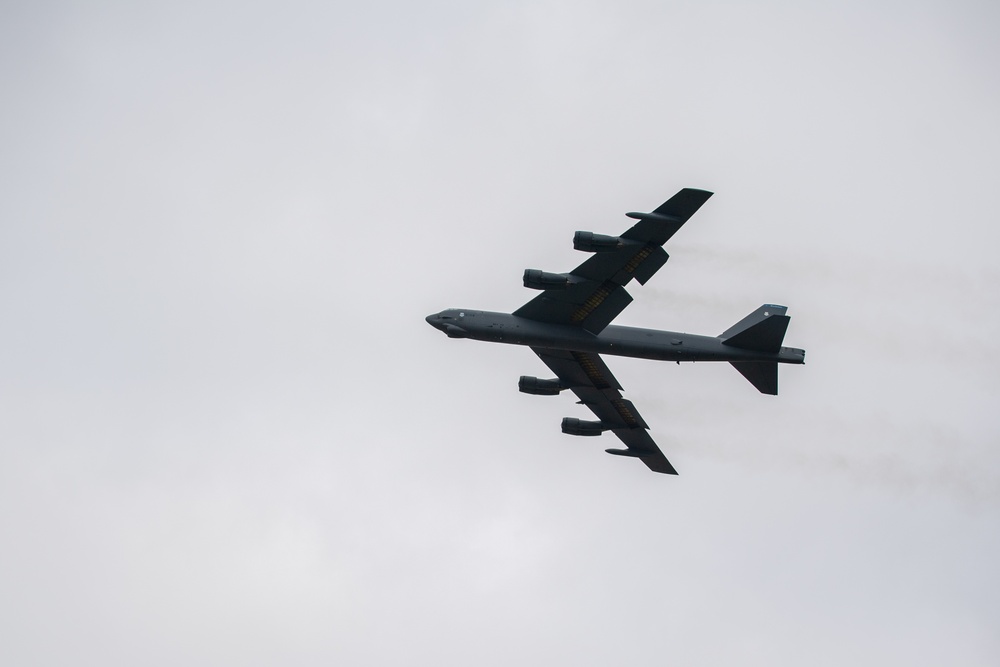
227, 436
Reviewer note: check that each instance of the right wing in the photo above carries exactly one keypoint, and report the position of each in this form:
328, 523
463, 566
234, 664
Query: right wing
587, 376
595, 294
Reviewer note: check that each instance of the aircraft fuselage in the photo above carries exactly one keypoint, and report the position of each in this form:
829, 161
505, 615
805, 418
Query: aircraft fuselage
615, 340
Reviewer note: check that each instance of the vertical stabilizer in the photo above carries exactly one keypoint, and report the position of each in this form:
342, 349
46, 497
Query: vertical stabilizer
760, 331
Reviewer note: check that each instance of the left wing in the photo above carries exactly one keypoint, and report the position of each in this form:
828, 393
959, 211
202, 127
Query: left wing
590, 379
594, 293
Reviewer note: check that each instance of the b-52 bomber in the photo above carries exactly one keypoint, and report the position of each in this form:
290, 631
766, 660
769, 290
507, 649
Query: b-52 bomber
569, 327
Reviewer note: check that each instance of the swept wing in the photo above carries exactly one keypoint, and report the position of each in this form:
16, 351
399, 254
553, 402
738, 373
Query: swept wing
592, 296
587, 376
596, 292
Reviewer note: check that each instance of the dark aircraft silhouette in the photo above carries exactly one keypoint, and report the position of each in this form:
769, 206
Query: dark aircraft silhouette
567, 326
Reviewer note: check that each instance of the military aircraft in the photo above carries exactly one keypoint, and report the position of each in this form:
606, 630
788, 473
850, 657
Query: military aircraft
569, 327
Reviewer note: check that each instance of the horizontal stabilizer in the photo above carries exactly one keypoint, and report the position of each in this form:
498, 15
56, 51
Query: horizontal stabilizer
762, 374
760, 331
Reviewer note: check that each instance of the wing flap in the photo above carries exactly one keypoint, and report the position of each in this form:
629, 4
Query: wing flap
585, 304
603, 306
650, 264
578, 369
610, 407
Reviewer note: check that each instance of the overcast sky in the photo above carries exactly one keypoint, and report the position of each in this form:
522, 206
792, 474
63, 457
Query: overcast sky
228, 437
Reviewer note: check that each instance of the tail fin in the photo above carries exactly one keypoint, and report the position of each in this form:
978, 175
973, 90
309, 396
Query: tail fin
760, 331
763, 330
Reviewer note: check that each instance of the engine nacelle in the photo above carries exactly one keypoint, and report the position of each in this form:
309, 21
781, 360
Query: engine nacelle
574, 426
535, 279
532, 385
591, 242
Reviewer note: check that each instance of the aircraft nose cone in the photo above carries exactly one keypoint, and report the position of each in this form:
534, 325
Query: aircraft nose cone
432, 320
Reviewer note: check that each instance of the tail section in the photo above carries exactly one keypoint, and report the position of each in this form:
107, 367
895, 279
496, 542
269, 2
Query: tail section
760, 331
763, 330
762, 374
